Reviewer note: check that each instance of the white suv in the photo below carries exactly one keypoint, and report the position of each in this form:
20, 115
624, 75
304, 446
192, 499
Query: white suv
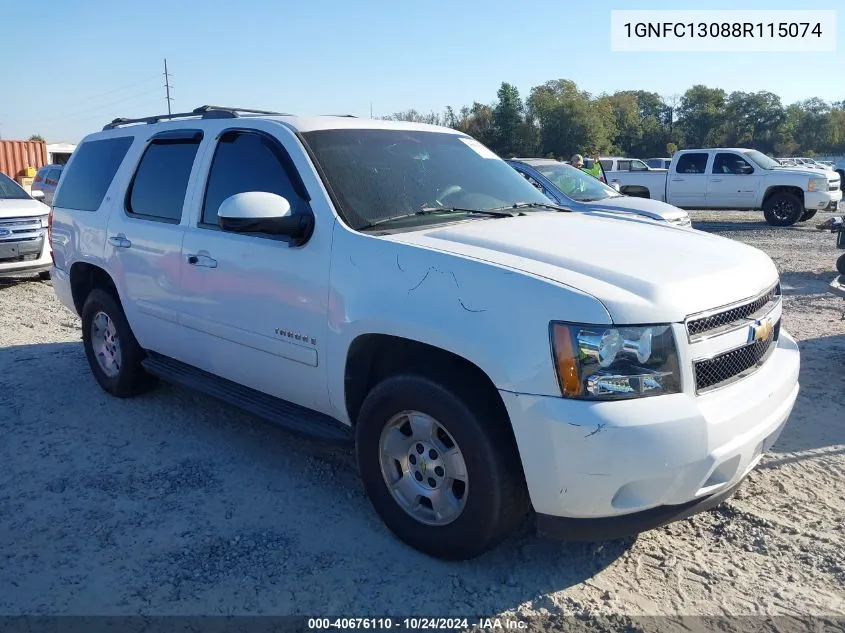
492, 356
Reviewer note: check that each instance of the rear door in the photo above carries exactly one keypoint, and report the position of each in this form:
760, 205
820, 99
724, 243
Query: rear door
732, 183
687, 181
144, 240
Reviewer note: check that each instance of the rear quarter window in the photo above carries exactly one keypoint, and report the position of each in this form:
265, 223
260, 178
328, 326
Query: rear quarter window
692, 163
85, 182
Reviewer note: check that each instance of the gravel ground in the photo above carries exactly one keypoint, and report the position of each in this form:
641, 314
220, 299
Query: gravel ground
173, 504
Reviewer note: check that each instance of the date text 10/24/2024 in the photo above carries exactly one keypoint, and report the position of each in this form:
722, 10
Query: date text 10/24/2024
417, 624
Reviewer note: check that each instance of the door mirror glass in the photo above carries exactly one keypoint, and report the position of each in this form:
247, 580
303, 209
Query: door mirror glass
264, 213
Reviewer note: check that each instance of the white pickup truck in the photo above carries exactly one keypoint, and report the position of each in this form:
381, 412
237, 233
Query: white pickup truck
490, 355
736, 178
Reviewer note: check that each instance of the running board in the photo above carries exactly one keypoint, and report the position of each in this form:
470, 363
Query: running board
290, 416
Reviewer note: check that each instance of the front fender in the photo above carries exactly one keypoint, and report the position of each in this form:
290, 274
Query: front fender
492, 316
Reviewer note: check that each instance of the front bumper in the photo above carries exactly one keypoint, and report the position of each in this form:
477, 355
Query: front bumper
28, 267
822, 200
601, 469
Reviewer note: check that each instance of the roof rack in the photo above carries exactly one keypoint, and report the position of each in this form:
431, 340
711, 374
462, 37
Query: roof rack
203, 112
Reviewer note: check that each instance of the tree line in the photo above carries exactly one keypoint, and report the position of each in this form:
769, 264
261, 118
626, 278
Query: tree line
557, 120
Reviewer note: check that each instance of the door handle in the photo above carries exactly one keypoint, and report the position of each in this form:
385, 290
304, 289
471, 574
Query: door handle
201, 260
678, 179
715, 180
119, 241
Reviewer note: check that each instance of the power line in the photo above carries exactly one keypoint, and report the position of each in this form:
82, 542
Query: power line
167, 86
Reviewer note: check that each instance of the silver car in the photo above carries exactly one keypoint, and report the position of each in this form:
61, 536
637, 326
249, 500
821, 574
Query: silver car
46, 181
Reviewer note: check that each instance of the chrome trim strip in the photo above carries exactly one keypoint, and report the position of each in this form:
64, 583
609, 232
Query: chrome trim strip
725, 308
733, 326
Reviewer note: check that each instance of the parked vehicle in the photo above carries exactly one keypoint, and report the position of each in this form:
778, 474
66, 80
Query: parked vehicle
737, 178
46, 181
399, 286
811, 162
23, 236
839, 168
616, 163
659, 163
568, 186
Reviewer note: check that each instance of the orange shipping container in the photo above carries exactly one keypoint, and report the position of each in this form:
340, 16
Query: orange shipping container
16, 156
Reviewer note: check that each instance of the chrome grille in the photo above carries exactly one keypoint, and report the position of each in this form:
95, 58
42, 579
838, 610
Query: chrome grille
735, 316
735, 364
20, 229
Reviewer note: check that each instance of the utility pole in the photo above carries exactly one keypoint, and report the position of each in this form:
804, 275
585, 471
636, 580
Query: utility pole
371, 109
167, 86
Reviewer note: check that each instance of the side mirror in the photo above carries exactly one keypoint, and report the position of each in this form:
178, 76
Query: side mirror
615, 185
263, 212
38, 195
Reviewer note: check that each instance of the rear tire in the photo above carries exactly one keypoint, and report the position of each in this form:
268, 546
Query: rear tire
840, 264
783, 209
808, 215
486, 492
113, 352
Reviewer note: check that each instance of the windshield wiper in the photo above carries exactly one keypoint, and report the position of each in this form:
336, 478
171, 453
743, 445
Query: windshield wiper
498, 212
533, 205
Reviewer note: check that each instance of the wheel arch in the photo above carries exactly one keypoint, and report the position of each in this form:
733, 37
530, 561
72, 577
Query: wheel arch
84, 277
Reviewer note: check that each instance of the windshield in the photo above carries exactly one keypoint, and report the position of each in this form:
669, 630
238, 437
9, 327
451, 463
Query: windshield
10, 190
761, 160
575, 183
376, 175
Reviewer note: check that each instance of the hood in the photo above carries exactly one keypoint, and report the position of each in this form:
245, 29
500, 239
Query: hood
10, 208
643, 272
651, 208
807, 172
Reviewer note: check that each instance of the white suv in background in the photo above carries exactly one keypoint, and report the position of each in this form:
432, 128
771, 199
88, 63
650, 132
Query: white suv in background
24, 249
400, 287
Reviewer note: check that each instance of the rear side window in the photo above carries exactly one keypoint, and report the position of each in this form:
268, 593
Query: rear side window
91, 173
623, 165
158, 188
606, 164
692, 163
246, 161
53, 176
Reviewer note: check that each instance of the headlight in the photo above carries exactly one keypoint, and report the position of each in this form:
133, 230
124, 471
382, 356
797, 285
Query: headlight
598, 362
817, 184
44, 221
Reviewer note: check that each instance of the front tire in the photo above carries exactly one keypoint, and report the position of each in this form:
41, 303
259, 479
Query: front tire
44, 275
783, 209
808, 215
440, 467
840, 264
113, 352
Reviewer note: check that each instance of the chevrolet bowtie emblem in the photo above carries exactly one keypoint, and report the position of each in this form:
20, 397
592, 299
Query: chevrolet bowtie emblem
760, 331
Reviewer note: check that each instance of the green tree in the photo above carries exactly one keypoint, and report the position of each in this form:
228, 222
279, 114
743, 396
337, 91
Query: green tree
671, 148
507, 121
700, 116
568, 120
36, 137
752, 119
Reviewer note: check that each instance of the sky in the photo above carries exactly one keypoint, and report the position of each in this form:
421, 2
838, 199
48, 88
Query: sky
73, 66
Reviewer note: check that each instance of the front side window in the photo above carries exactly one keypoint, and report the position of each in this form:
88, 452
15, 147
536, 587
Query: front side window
158, 189
91, 173
623, 165
638, 165
731, 164
575, 183
247, 161
694, 163
391, 174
